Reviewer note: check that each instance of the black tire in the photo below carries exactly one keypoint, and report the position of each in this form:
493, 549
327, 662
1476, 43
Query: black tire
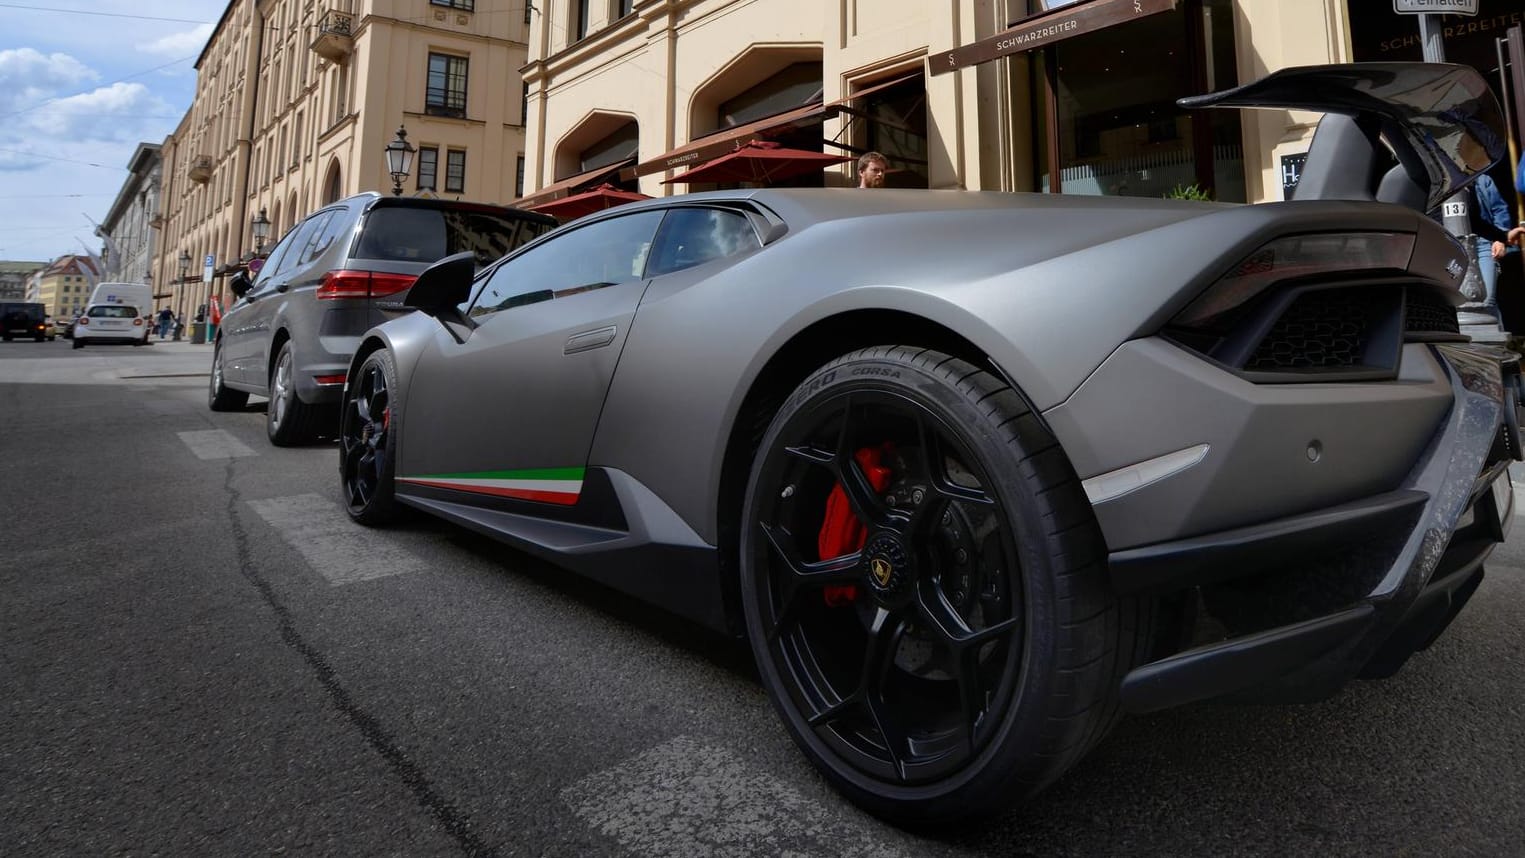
369, 417
219, 396
78, 343
978, 653
288, 420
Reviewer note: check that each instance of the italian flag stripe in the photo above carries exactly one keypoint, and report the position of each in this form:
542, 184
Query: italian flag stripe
547, 485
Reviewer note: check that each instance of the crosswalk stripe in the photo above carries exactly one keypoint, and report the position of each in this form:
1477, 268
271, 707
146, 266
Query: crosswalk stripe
214, 444
335, 547
684, 798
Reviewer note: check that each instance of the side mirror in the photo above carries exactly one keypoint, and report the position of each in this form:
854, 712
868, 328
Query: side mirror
241, 284
444, 285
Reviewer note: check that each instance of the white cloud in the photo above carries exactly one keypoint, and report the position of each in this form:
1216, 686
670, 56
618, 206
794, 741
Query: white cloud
29, 77
113, 112
187, 44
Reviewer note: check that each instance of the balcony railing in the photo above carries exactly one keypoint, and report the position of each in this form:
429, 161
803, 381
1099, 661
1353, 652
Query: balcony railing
201, 169
336, 36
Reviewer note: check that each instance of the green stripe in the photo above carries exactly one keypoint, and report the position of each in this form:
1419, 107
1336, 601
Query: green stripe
530, 474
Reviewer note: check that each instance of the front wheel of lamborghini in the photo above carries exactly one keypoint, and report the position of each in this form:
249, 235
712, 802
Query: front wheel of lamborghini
368, 425
924, 588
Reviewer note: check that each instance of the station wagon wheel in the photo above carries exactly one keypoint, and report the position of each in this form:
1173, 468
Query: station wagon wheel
368, 424
219, 396
288, 420
923, 587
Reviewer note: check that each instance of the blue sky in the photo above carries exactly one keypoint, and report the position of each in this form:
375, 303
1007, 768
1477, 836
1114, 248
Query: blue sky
80, 88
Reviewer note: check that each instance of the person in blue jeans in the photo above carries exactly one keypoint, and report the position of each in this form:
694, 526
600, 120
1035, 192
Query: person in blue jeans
1492, 226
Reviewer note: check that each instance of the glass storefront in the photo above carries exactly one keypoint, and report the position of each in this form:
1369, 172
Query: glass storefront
1111, 93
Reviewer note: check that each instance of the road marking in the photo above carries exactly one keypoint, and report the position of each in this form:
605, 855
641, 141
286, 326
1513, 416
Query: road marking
214, 444
683, 798
335, 547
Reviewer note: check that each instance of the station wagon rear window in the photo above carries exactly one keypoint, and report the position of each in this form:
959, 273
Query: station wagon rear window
428, 235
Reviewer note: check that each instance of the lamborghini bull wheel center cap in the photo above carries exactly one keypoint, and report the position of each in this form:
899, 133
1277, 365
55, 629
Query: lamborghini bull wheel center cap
887, 568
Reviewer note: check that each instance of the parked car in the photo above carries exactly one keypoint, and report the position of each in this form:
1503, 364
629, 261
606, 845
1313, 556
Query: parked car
292, 331
50, 329
66, 327
109, 323
22, 319
975, 472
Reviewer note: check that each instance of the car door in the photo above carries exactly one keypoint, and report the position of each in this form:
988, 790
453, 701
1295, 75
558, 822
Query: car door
240, 324
511, 411
257, 321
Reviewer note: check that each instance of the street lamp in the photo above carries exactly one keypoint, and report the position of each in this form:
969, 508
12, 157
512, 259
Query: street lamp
185, 266
261, 228
399, 159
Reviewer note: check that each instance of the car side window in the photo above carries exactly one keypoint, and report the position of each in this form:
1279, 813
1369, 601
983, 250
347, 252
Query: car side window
273, 261
600, 254
299, 239
691, 236
321, 237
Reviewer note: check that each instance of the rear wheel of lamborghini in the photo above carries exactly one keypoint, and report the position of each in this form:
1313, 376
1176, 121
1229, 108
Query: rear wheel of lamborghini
924, 588
367, 432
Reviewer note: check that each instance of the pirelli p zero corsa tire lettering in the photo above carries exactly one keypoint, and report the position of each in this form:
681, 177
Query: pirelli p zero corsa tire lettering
961, 649
219, 397
368, 421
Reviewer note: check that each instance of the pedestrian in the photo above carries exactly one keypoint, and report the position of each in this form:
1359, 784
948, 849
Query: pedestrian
166, 318
871, 169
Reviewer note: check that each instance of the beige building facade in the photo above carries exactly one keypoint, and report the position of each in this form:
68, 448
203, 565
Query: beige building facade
64, 286
128, 233
296, 101
1075, 96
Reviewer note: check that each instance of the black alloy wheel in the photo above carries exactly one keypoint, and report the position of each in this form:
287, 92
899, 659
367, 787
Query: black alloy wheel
219, 396
368, 425
921, 588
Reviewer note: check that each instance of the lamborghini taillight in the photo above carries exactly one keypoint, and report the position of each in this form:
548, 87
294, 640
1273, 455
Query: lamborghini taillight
348, 283
1293, 257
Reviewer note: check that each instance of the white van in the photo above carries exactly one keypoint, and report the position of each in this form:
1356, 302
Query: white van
137, 295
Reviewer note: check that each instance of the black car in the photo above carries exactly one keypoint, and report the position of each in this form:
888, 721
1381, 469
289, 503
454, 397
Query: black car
23, 319
342, 270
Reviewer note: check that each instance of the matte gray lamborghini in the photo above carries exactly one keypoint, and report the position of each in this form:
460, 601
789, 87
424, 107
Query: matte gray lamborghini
976, 472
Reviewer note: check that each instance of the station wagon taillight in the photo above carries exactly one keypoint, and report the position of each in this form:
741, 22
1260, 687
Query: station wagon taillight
346, 283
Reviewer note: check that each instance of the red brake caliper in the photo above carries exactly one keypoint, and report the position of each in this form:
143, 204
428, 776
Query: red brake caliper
841, 531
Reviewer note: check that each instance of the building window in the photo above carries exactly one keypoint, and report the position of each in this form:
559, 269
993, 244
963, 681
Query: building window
455, 171
446, 94
519, 177
528, 8
464, 5
582, 20
623, 8
428, 168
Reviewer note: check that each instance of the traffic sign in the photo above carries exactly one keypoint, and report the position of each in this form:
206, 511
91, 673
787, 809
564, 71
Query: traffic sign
206, 270
1435, 7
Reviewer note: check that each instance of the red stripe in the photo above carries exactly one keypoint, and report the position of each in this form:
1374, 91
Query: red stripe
563, 498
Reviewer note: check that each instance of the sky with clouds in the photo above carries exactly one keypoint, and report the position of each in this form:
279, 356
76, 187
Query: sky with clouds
82, 83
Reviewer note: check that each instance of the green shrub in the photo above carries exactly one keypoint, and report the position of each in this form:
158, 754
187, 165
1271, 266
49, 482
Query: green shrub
1189, 192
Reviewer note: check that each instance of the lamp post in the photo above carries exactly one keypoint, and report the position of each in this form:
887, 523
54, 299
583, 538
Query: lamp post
260, 226
399, 159
185, 266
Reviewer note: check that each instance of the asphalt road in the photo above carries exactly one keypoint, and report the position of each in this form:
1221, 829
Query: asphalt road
200, 655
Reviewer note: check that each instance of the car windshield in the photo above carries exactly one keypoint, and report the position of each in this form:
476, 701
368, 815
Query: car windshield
429, 234
114, 311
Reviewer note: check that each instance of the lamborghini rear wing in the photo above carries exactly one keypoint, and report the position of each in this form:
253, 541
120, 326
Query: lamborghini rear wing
1442, 123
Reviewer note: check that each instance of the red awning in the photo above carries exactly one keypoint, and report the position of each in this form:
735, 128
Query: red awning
726, 139
604, 196
568, 186
759, 162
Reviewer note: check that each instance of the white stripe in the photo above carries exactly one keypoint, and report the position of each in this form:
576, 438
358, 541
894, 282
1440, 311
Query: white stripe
1115, 484
683, 799
214, 444
335, 547
568, 486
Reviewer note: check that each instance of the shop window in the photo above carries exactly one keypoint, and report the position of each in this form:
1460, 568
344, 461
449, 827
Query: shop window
894, 124
1119, 131
619, 145
792, 86
519, 176
463, 5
